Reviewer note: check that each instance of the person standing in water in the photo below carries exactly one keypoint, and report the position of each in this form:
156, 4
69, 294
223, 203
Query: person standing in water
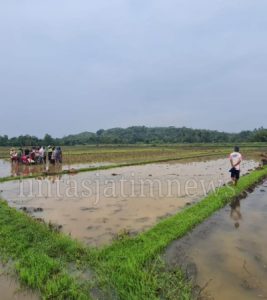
235, 160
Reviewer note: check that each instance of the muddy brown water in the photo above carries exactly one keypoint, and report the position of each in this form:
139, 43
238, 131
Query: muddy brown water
97, 206
226, 256
9, 169
5, 168
12, 169
10, 288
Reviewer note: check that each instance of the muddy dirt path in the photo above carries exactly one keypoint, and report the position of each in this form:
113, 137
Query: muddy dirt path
96, 206
226, 255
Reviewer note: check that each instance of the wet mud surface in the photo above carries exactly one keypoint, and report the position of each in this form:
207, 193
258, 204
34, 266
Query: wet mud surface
10, 289
96, 207
226, 257
5, 168
8, 169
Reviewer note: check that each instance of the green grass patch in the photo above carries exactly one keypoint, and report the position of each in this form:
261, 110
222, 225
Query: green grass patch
42, 256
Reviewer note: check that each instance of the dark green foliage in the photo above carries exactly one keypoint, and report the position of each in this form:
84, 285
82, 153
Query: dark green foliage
260, 135
142, 135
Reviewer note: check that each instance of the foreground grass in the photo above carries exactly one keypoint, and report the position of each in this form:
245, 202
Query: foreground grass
127, 269
41, 255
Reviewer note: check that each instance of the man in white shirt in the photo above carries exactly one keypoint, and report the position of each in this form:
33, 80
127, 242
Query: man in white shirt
41, 155
235, 160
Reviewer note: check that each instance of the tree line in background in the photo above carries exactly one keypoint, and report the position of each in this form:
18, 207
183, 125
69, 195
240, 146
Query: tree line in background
140, 134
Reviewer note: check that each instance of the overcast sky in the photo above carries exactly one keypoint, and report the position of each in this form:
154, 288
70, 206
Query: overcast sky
73, 66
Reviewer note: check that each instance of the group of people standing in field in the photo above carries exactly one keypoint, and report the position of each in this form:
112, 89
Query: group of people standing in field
36, 155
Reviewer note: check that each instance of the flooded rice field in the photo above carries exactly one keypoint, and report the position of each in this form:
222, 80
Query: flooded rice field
97, 206
5, 168
9, 169
226, 256
11, 290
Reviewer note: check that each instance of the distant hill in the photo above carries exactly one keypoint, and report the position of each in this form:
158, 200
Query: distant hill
141, 134
80, 138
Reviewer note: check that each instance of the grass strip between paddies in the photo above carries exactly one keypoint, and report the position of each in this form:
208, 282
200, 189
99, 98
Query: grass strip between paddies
91, 169
123, 269
41, 256
124, 261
